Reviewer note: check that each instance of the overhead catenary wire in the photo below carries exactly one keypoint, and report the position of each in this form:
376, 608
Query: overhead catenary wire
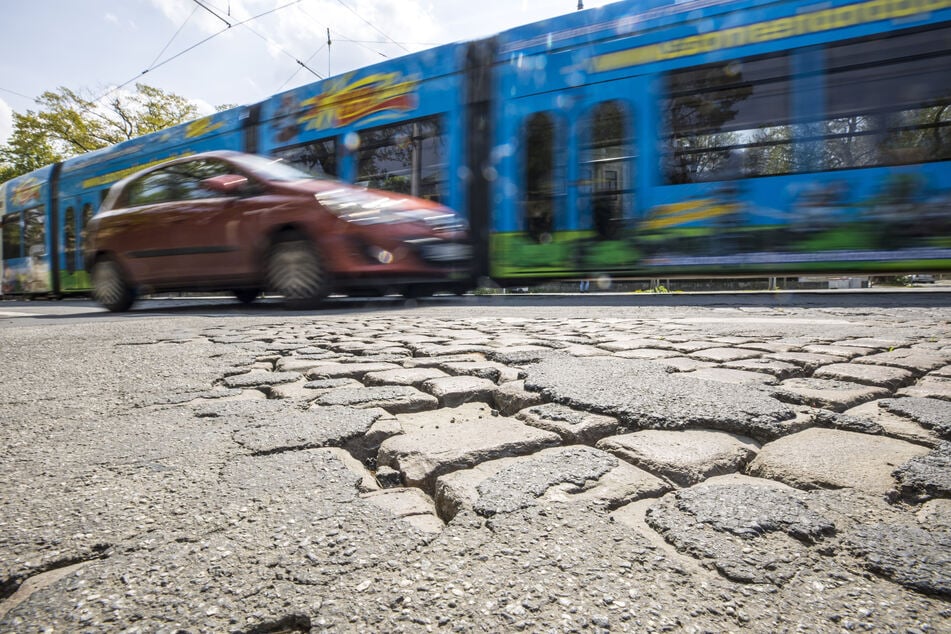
342, 37
302, 65
371, 25
228, 26
272, 42
172, 39
18, 94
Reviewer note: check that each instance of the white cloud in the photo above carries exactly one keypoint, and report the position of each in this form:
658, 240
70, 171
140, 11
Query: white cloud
6, 121
204, 108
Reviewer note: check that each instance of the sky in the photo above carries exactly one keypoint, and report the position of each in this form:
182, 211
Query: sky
180, 46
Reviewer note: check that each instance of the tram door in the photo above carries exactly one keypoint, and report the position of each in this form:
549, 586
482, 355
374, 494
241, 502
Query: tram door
543, 175
573, 169
75, 214
605, 196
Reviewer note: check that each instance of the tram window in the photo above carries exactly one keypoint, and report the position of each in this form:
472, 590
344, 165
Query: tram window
606, 164
12, 236
34, 232
87, 213
316, 157
728, 120
887, 100
409, 158
540, 176
69, 229
69, 239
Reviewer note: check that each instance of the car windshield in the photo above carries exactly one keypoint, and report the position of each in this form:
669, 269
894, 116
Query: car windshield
274, 169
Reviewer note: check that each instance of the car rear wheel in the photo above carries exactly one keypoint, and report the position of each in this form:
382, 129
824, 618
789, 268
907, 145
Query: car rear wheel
294, 270
110, 287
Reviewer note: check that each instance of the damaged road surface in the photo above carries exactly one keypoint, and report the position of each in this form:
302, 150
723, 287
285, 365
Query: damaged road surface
541, 468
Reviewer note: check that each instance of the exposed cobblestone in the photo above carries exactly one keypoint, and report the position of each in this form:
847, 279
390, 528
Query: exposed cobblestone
910, 555
931, 413
927, 476
744, 531
339, 479
827, 394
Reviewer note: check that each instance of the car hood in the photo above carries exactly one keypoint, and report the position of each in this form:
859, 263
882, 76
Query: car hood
362, 206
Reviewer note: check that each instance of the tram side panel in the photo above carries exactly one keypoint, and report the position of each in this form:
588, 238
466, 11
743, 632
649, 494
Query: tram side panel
816, 151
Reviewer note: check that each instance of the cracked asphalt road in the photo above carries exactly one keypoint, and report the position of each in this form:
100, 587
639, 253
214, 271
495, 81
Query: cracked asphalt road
478, 467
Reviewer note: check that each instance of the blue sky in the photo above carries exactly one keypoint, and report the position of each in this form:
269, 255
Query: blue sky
95, 45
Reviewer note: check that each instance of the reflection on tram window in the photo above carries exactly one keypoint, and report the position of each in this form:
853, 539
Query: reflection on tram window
408, 158
12, 236
34, 232
317, 157
728, 120
885, 106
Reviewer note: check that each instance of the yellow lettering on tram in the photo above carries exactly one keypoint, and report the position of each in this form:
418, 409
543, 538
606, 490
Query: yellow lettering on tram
813, 22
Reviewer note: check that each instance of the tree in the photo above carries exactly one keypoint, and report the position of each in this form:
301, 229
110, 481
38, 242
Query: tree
68, 123
27, 149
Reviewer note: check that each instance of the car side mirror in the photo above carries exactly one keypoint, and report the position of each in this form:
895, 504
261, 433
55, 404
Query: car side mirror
229, 184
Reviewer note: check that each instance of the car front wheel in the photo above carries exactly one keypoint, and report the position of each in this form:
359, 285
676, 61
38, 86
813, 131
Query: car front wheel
110, 287
294, 270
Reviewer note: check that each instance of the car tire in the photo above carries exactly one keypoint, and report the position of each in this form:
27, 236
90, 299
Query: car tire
110, 286
418, 291
246, 295
294, 270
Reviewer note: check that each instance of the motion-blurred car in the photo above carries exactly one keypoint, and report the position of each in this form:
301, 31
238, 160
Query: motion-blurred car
244, 223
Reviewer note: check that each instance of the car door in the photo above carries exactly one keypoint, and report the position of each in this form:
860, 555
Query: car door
143, 233
212, 231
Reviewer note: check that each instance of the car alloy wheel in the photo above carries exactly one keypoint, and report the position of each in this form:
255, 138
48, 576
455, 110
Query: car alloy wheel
294, 271
110, 287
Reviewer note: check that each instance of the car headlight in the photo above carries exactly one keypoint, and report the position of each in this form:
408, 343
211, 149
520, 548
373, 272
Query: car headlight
366, 208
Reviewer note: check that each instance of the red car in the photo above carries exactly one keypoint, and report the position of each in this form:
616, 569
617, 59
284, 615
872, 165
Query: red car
246, 224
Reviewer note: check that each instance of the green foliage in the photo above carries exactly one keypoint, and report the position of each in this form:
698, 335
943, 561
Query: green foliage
27, 149
68, 123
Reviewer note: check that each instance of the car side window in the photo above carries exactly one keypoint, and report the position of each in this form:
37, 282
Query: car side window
181, 181
154, 187
189, 176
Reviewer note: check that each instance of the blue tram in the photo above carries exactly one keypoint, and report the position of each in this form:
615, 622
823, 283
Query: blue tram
649, 138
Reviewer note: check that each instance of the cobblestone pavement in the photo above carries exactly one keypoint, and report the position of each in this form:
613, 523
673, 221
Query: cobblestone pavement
662, 469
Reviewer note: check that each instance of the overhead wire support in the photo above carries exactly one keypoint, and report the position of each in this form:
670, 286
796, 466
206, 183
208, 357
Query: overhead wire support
200, 4
312, 71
